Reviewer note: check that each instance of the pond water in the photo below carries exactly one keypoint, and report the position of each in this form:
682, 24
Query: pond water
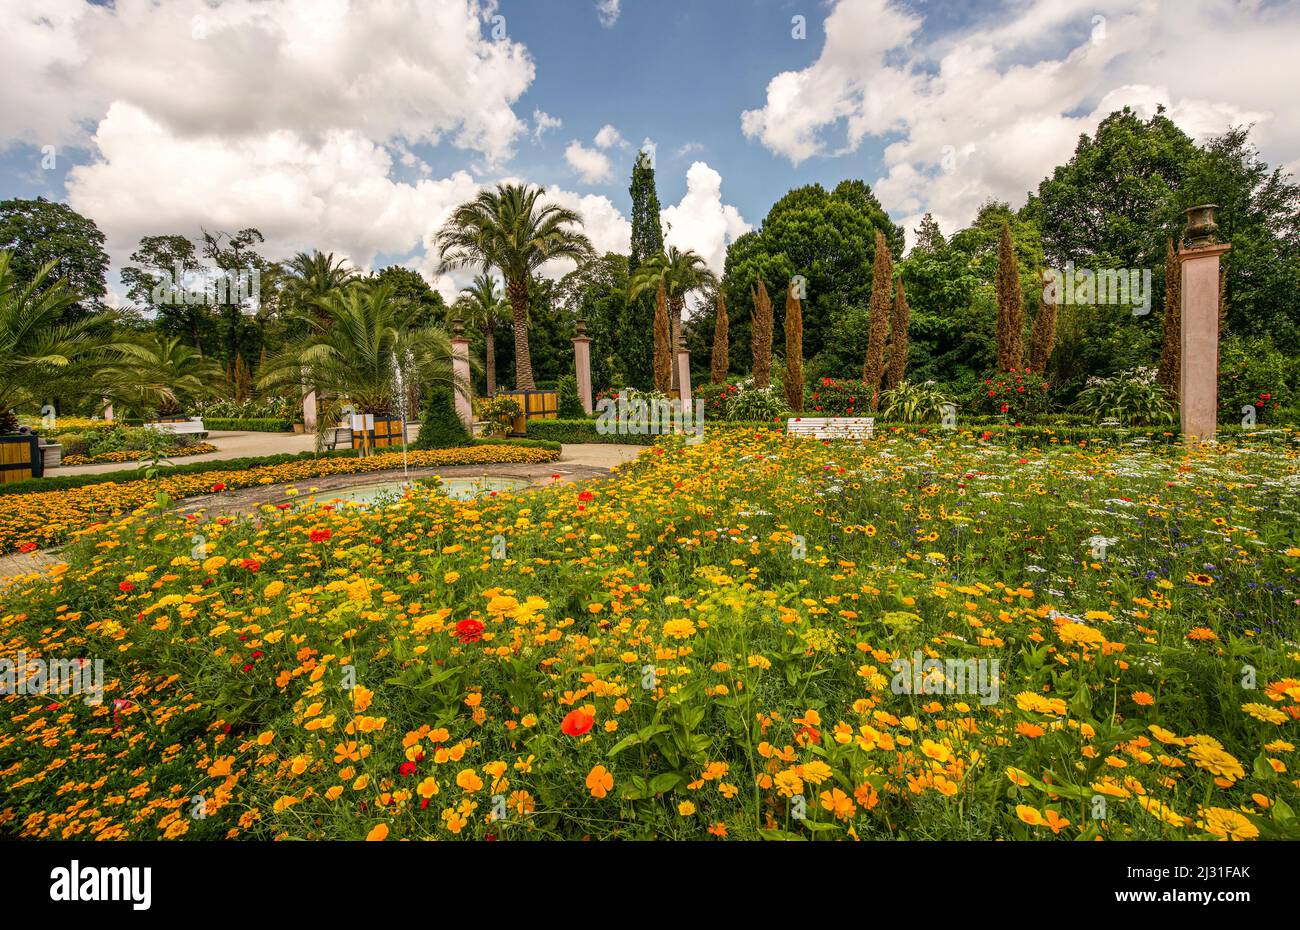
462, 489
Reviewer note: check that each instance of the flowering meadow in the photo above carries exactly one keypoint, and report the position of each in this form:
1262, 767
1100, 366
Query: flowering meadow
703, 646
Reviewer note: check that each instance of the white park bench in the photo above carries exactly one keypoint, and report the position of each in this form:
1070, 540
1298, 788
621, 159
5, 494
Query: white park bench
336, 436
831, 427
191, 427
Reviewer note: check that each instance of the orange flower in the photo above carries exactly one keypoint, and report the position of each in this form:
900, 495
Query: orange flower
599, 781
377, 833
1143, 698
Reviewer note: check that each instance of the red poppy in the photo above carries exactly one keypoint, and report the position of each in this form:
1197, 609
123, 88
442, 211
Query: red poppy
321, 535
407, 768
469, 630
576, 723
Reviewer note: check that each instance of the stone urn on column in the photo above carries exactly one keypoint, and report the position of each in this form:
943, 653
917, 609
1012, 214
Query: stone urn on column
582, 365
1199, 371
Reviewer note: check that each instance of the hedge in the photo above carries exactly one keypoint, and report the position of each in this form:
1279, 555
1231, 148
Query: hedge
257, 425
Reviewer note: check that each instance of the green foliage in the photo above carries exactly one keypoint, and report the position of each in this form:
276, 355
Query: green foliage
1252, 372
249, 424
914, 403
568, 404
40, 231
499, 412
440, 427
841, 397
1132, 398
1018, 396
756, 404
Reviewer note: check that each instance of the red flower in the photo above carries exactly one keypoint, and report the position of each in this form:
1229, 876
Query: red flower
125, 586
218, 487
1004, 408
407, 768
321, 535
585, 495
27, 547
251, 564
576, 723
469, 630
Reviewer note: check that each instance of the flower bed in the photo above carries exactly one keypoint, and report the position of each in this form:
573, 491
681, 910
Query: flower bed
723, 640
40, 519
139, 455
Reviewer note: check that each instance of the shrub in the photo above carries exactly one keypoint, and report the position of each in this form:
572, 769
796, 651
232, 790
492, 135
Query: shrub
1133, 398
440, 427
1016, 395
498, 413
914, 403
846, 397
755, 403
1253, 373
249, 424
569, 405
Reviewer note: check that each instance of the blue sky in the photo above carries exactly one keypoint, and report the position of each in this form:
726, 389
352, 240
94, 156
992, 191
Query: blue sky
355, 127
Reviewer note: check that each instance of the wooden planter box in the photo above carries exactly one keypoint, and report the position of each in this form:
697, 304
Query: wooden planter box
378, 432
20, 458
536, 405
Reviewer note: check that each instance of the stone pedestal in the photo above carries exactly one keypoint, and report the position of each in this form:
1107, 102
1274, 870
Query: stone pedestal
108, 413
582, 365
1199, 376
683, 369
309, 412
460, 371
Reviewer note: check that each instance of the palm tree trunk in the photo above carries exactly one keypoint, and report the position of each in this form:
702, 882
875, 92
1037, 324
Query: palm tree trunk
675, 307
490, 337
518, 294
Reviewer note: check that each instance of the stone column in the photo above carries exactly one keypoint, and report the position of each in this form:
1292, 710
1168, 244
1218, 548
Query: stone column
460, 370
582, 364
683, 373
108, 411
1199, 375
309, 412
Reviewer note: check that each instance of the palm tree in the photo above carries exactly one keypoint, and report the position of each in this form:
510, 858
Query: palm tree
680, 273
362, 344
158, 374
509, 229
38, 354
312, 277
483, 307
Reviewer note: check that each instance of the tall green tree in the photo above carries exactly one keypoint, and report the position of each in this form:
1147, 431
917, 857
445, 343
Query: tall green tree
40, 351
637, 320
680, 273
155, 282
596, 291
37, 232
511, 229
484, 308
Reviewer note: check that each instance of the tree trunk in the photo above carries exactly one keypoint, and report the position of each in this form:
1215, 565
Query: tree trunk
490, 352
517, 291
675, 307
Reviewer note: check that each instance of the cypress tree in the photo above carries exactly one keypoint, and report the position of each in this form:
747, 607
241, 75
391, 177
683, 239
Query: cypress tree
898, 341
882, 274
761, 339
1011, 307
721, 350
647, 241
793, 350
441, 427
1043, 337
1171, 353
662, 357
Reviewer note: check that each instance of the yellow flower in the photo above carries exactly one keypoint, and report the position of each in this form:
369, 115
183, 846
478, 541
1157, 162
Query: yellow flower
1228, 824
686, 808
680, 628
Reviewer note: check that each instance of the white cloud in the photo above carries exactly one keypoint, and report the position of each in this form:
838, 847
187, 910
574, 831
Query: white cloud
701, 221
544, 122
987, 112
609, 137
688, 149
608, 11
415, 70
592, 164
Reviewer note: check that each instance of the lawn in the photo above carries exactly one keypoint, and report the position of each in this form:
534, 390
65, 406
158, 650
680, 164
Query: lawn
717, 642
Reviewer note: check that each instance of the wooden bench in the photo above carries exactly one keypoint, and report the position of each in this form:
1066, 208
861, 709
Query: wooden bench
831, 427
191, 427
337, 436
